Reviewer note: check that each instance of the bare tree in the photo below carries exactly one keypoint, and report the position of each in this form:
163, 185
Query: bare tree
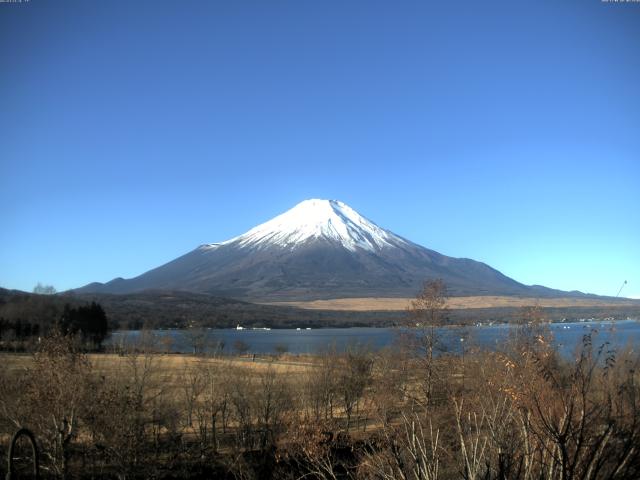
193, 384
354, 376
426, 313
213, 401
128, 407
273, 401
241, 394
390, 379
198, 339
241, 347
320, 386
530, 332
281, 349
584, 415
57, 395
410, 450
312, 449
44, 289
472, 440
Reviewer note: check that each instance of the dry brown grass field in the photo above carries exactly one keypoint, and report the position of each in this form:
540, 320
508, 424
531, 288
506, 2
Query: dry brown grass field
455, 303
172, 366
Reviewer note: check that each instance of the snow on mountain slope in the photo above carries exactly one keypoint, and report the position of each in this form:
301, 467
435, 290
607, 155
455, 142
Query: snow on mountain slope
317, 219
319, 249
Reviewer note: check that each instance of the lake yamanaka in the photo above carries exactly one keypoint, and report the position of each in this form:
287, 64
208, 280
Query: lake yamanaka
566, 336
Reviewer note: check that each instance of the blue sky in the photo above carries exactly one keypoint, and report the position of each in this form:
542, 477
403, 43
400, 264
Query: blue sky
507, 132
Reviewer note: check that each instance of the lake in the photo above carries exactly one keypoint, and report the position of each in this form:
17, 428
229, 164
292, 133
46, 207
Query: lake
567, 336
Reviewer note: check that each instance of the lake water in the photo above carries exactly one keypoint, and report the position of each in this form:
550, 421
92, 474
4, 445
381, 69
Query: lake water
566, 336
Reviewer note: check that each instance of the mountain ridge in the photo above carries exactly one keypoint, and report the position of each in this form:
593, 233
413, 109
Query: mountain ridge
319, 249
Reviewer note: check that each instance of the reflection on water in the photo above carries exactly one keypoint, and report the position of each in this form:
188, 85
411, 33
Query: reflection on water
566, 336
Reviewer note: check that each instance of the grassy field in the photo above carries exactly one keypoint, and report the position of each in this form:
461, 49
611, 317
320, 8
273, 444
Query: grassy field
454, 303
173, 365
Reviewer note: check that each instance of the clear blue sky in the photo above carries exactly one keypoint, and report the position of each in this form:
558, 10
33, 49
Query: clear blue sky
507, 132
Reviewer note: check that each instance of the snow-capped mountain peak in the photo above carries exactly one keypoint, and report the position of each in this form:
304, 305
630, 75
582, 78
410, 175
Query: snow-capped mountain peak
319, 249
318, 219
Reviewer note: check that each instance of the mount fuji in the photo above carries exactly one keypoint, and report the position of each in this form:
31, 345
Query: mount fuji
319, 249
